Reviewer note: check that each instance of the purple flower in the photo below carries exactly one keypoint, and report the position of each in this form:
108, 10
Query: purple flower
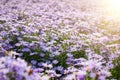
26, 50
81, 75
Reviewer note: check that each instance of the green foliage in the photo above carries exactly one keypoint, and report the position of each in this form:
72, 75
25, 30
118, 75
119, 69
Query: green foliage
79, 54
62, 59
116, 70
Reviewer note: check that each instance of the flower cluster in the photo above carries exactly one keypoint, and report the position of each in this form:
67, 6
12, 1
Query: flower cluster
59, 39
12, 68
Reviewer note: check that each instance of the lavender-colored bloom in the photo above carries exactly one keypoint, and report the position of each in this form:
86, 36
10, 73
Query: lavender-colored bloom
39, 70
93, 75
81, 75
26, 50
55, 62
33, 62
11, 66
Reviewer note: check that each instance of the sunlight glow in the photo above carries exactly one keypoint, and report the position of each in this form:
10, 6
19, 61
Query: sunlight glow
114, 4
113, 8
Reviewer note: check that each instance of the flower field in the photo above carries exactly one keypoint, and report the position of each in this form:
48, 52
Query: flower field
59, 40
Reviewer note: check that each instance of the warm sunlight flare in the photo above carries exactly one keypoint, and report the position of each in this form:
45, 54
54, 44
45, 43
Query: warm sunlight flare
114, 4
113, 8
